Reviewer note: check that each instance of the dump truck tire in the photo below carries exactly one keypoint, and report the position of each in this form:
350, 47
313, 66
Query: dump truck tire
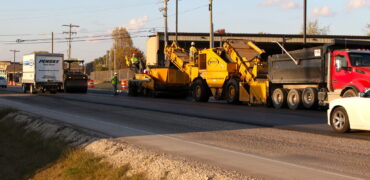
350, 93
294, 99
200, 93
279, 96
232, 92
309, 98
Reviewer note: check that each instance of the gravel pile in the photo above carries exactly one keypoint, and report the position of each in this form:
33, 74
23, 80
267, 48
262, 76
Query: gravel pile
153, 163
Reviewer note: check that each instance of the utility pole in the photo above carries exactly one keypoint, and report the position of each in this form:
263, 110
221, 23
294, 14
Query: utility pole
177, 19
305, 22
165, 23
52, 42
211, 36
70, 32
164, 9
14, 52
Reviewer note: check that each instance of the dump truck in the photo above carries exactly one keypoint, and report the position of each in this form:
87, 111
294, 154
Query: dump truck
313, 77
42, 72
74, 79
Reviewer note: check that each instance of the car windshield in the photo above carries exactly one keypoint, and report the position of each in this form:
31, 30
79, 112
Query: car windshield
360, 59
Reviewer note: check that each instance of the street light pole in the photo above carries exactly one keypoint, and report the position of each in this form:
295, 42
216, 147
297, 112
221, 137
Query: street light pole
14, 52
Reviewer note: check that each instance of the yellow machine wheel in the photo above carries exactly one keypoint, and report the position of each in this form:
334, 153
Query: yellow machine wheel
232, 92
200, 93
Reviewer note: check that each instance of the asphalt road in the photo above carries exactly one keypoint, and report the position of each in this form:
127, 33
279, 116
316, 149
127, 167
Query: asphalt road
258, 141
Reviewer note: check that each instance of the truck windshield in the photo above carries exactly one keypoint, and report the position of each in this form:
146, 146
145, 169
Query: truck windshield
360, 59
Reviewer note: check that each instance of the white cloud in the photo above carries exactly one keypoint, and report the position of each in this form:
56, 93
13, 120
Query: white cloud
136, 24
284, 4
323, 11
357, 4
133, 25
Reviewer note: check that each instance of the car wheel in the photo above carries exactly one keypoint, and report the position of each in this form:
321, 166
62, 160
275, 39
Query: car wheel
339, 120
294, 99
350, 93
279, 96
309, 98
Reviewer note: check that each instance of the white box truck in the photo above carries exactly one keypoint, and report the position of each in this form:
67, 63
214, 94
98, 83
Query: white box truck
42, 72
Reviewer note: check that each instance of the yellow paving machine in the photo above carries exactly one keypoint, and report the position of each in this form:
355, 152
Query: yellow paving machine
235, 72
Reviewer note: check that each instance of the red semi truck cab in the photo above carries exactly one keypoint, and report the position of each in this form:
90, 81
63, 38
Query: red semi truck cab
350, 72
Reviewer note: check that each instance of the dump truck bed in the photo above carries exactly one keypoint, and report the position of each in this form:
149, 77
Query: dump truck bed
310, 68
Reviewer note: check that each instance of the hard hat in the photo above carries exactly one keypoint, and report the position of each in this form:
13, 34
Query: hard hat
115, 73
133, 54
193, 43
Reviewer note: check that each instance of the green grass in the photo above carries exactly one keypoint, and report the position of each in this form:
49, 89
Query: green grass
78, 164
26, 155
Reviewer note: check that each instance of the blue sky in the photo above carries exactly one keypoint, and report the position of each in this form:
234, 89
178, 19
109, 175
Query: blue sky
36, 19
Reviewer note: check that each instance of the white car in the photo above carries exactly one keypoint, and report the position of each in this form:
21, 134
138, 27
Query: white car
3, 82
345, 114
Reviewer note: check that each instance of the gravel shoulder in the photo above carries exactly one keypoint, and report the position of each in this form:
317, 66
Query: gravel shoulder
156, 165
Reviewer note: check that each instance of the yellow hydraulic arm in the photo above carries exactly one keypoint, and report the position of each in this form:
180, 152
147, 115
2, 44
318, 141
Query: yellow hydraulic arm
178, 56
246, 55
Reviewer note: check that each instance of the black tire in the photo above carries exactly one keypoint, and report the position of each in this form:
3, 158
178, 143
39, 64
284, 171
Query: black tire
132, 89
84, 90
339, 120
309, 98
200, 93
232, 92
294, 99
350, 93
279, 96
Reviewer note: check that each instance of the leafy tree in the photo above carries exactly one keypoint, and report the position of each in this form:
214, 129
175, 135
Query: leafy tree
123, 47
313, 28
121, 50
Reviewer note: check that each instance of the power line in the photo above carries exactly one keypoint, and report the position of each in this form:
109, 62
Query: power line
79, 40
80, 37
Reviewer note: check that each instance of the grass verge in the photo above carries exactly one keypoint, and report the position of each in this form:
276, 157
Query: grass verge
26, 155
